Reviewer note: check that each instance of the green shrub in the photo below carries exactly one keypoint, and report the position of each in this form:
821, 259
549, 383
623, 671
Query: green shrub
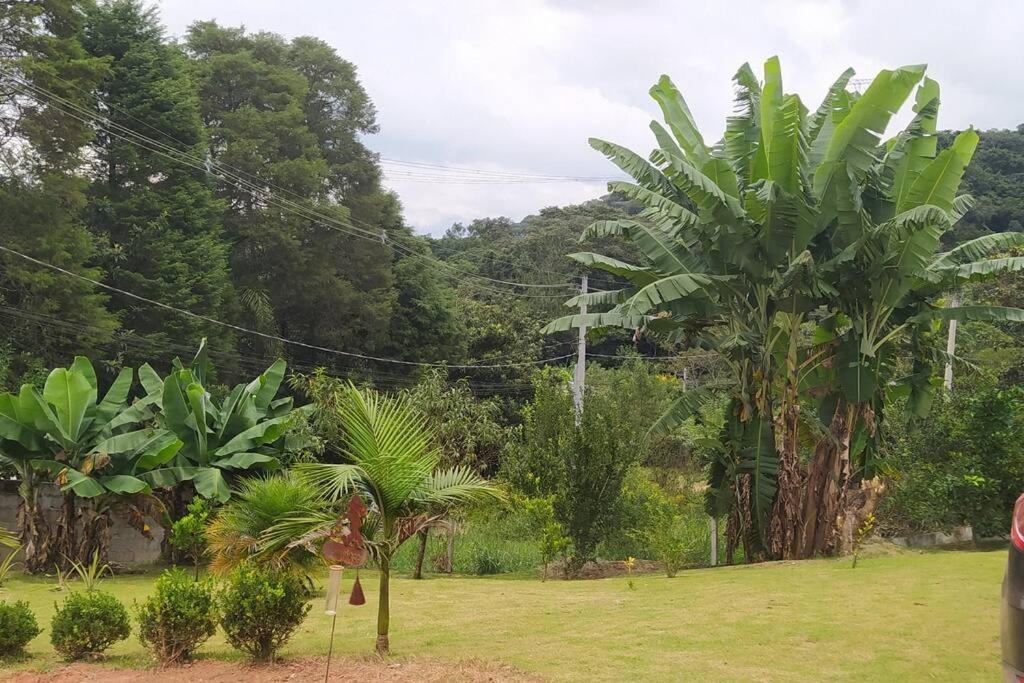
178, 617
962, 465
261, 608
87, 624
17, 627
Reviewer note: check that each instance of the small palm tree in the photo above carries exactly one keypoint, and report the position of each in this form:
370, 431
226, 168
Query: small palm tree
393, 465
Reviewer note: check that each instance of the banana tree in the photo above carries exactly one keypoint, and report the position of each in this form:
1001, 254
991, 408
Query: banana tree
246, 431
20, 444
802, 249
93, 448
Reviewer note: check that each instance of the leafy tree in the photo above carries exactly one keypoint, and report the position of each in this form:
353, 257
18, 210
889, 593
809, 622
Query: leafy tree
41, 190
581, 463
276, 113
158, 216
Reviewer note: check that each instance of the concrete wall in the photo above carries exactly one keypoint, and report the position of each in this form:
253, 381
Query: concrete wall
127, 546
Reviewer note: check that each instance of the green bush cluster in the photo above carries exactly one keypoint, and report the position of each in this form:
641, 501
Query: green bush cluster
179, 616
962, 465
87, 624
261, 608
17, 627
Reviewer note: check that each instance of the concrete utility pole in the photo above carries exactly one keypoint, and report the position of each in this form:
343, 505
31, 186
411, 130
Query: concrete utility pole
580, 377
954, 300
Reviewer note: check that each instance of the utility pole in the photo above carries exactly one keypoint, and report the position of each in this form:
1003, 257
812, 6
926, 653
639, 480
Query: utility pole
954, 300
579, 378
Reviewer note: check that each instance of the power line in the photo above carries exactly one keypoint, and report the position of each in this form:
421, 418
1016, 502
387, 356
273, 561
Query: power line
274, 337
208, 166
286, 205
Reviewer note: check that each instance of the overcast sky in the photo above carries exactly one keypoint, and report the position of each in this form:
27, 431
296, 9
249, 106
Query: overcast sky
519, 85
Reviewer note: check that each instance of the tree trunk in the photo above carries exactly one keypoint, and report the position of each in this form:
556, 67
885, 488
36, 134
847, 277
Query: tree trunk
827, 480
177, 507
450, 557
384, 607
785, 521
66, 537
33, 530
423, 534
95, 539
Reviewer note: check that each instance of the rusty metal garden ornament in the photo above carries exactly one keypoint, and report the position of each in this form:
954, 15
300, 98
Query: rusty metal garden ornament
344, 547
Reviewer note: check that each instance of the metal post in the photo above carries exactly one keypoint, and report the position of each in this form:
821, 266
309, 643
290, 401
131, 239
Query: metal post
954, 300
579, 378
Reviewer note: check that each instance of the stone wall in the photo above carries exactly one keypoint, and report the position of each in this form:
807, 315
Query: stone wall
127, 546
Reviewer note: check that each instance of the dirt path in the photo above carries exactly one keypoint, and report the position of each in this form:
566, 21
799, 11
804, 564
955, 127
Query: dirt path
292, 671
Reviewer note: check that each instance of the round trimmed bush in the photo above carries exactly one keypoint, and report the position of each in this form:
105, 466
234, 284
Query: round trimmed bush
261, 608
87, 624
17, 627
179, 616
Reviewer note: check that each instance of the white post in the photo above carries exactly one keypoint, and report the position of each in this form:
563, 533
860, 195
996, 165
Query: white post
579, 378
954, 300
714, 541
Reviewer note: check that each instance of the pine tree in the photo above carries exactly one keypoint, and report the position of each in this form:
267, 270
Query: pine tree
46, 316
158, 215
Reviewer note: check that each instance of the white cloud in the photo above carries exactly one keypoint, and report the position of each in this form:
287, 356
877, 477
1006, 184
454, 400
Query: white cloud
520, 86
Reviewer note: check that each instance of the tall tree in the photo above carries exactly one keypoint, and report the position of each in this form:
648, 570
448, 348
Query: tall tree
277, 116
41, 191
158, 216
803, 249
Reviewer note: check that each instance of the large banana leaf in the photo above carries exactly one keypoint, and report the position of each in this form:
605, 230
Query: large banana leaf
856, 137
636, 166
915, 148
665, 290
824, 111
684, 406
979, 248
680, 120
939, 181
638, 275
593, 321
68, 393
714, 203
972, 313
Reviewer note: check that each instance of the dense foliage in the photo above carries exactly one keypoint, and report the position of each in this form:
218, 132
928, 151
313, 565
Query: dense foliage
961, 466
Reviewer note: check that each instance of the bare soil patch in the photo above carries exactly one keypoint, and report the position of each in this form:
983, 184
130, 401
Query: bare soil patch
291, 671
602, 569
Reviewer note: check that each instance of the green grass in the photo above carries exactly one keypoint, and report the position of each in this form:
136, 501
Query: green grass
904, 617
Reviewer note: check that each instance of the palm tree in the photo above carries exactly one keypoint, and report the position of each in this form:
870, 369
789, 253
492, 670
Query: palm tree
392, 464
802, 249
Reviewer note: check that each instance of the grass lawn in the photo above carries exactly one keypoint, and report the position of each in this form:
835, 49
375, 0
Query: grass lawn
904, 617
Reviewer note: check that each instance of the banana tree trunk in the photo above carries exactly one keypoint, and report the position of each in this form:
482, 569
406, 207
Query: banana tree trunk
787, 513
95, 538
384, 607
827, 481
33, 530
66, 537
